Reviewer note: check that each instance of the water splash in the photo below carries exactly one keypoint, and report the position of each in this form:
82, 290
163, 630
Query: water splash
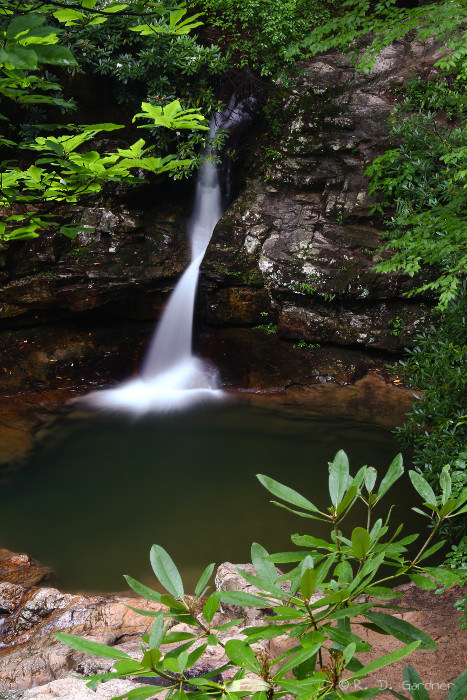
171, 376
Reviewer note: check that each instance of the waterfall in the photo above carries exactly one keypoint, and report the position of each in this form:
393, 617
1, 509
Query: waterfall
171, 375
171, 343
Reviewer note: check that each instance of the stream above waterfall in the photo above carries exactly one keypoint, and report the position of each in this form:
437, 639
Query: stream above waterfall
101, 489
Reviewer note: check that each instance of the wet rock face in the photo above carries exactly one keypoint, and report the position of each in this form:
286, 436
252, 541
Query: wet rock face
124, 267
74, 311
305, 232
18, 570
256, 359
81, 352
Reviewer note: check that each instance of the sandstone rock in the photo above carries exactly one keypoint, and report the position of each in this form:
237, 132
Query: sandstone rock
229, 579
30, 654
71, 689
127, 253
22, 571
39, 606
31, 657
10, 597
382, 325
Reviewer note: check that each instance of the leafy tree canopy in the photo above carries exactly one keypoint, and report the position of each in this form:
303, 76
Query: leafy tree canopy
159, 54
386, 21
62, 171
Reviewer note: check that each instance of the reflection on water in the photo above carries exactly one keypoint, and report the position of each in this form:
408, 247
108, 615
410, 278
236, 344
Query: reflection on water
102, 489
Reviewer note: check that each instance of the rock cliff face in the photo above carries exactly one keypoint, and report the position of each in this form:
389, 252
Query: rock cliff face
74, 310
294, 252
122, 269
301, 241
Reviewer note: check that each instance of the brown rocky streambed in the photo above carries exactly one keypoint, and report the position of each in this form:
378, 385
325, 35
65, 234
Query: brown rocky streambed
34, 664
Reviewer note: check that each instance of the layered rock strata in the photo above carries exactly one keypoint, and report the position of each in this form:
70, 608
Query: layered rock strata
298, 246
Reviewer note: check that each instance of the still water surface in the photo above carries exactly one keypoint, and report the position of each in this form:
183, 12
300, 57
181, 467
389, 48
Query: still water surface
103, 489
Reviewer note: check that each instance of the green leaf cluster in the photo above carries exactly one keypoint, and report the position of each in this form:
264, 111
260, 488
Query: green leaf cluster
65, 172
328, 626
27, 43
435, 428
423, 180
258, 34
150, 51
46, 171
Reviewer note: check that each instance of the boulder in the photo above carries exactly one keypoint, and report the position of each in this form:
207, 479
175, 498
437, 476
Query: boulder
71, 689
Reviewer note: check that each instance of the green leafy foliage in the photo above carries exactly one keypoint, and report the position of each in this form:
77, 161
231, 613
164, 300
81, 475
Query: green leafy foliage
151, 52
444, 385
27, 44
64, 173
171, 116
385, 21
178, 24
257, 34
436, 426
424, 179
327, 627
61, 170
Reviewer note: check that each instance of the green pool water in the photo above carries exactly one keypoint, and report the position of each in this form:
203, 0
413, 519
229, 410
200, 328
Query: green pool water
102, 489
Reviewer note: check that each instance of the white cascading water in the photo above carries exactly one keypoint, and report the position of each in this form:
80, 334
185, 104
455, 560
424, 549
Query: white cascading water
172, 377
